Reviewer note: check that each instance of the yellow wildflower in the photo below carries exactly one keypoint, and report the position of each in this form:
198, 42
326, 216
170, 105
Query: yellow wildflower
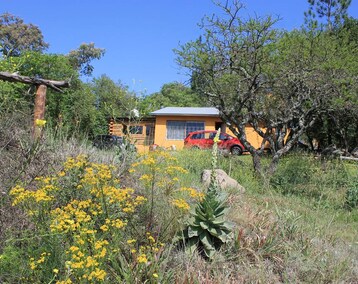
40, 122
181, 204
142, 258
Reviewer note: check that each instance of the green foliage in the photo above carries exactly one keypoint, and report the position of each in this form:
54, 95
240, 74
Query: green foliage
207, 229
292, 172
80, 58
333, 12
17, 37
351, 200
171, 95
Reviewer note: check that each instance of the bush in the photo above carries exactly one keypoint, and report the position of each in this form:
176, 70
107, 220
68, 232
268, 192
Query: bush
351, 198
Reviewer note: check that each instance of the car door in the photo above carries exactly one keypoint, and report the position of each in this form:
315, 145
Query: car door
209, 139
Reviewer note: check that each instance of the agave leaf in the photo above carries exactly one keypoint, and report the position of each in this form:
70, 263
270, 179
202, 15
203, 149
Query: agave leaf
206, 240
204, 225
192, 244
194, 231
216, 232
209, 252
218, 222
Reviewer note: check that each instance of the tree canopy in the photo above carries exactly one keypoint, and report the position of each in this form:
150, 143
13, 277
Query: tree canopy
171, 94
277, 83
16, 36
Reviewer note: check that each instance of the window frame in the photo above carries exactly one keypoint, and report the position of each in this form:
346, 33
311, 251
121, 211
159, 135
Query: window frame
187, 127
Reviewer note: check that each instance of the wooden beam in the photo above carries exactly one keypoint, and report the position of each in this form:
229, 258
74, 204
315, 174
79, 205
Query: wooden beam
14, 77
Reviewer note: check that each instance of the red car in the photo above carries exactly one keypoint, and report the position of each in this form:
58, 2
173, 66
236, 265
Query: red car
204, 139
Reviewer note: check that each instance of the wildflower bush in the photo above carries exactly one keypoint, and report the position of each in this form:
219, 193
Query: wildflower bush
162, 181
79, 217
88, 228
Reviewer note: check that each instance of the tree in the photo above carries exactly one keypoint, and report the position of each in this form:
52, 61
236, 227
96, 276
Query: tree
171, 94
333, 11
338, 124
276, 83
17, 37
112, 100
229, 64
82, 57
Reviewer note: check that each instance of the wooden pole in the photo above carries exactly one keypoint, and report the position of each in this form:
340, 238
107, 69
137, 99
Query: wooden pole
39, 110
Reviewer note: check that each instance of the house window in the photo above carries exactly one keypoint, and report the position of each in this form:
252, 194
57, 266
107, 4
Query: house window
136, 129
178, 130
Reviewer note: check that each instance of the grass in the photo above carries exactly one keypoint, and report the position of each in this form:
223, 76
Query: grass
293, 227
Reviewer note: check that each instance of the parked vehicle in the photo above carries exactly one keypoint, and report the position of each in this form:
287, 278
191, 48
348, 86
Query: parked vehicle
204, 139
106, 141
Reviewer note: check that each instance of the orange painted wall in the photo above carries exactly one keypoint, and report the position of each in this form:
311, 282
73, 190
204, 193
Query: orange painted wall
160, 136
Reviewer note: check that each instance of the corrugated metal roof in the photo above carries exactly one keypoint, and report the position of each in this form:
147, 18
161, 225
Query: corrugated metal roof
187, 111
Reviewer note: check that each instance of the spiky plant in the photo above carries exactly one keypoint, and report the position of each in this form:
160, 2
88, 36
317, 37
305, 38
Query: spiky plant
207, 229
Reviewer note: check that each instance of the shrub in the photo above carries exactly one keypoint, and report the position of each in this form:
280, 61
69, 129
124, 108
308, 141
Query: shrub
351, 198
81, 211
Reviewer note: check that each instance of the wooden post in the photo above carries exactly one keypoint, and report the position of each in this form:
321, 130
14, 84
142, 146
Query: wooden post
39, 110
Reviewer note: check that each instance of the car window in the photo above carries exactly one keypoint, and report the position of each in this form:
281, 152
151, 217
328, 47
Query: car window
197, 136
210, 135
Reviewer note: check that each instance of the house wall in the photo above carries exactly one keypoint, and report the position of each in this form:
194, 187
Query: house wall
142, 140
159, 131
160, 136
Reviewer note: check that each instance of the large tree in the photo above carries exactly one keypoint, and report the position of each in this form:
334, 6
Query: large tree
112, 100
332, 12
276, 83
17, 37
81, 58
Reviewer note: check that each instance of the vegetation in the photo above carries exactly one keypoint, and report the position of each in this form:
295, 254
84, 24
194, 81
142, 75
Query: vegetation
171, 95
90, 219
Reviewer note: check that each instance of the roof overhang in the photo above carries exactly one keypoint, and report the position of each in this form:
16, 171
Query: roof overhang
187, 111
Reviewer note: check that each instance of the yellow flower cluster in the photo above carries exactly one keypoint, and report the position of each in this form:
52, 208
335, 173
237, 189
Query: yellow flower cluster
192, 192
35, 263
21, 195
83, 263
40, 122
75, 163
85, 206
181, 204
147, 251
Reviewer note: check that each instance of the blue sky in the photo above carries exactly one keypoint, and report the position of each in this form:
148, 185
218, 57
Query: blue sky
139, 35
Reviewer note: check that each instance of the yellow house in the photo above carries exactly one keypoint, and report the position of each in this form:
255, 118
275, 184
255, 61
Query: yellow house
172, 124
169, 126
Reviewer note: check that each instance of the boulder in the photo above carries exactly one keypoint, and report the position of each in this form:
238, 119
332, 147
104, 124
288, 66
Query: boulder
223, 179
355, 152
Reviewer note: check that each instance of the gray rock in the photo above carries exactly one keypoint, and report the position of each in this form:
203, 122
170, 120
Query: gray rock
223, 179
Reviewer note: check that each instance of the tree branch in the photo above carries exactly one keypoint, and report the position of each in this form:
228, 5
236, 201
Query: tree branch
14, 77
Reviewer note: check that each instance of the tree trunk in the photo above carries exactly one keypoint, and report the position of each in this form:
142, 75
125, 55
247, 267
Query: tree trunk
39, 110
257, 163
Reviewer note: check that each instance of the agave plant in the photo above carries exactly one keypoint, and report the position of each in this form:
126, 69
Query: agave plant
207, 229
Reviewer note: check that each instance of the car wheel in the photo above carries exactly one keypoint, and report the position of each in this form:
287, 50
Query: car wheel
195, 148
236, 150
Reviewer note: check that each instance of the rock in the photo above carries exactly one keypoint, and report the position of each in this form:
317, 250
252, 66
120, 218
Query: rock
355, 152
223, 179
